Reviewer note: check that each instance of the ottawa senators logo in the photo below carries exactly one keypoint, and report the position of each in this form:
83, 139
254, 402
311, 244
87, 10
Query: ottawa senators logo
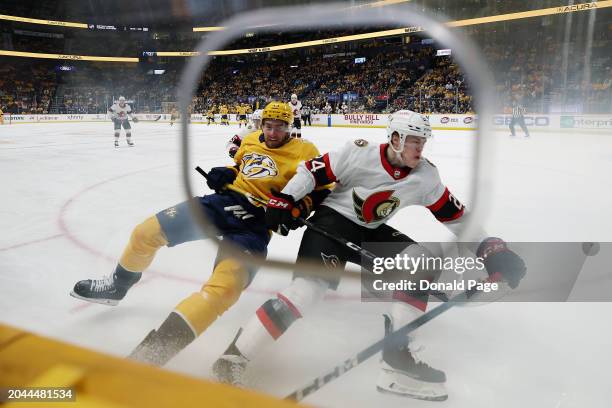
376, 207
258, 166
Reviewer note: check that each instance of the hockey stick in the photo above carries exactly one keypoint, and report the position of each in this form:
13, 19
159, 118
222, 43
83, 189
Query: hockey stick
351, 245
397, 338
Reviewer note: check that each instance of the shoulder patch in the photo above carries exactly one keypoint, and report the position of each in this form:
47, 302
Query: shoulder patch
361, 142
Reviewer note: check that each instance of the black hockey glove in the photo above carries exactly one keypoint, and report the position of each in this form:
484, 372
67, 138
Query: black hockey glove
218, 177
135, 119
232, 151
499, 259
283, 212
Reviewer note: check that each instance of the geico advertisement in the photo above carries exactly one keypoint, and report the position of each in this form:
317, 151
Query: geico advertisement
530, 120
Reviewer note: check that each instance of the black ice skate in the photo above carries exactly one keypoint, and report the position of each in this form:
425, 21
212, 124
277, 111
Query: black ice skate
230, 367
103, 291
403, 373
107, 291
130, 143
116, 143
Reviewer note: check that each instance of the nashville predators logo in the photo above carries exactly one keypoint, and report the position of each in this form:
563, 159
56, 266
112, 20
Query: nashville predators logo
258, 166
376, 207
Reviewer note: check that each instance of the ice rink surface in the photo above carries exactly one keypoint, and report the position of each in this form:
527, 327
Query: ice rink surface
70, 201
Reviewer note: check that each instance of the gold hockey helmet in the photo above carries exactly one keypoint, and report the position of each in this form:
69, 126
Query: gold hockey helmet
279, 111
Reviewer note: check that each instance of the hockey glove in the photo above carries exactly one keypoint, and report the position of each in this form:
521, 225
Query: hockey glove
283, 212
135, 119
232, 151
218, 177
499, 259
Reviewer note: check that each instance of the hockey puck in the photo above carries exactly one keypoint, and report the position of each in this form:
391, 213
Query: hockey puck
591, 248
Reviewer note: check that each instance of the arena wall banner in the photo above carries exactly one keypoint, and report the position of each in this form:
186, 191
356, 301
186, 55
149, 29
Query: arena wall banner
535, 122
63, 118
592, 122
558, 122
379, 120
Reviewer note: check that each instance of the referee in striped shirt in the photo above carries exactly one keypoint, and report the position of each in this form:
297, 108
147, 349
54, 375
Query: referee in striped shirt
518, 116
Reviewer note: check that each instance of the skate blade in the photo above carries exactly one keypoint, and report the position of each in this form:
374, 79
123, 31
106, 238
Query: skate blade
409, 395
389, 383
108, 302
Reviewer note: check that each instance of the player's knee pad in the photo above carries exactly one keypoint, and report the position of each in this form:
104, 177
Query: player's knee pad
277, 315
144, 242
218, 294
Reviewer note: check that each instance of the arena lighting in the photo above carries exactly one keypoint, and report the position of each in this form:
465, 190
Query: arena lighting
458, 23
43, 22
381, 3
196, 29
409, 30
347, 38
66, 56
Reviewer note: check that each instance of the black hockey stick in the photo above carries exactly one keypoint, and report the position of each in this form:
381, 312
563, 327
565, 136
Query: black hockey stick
395, 339
351, 245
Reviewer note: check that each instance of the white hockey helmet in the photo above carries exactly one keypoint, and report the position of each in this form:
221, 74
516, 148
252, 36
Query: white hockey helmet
293, 97
122, 99
256, 115
407, 123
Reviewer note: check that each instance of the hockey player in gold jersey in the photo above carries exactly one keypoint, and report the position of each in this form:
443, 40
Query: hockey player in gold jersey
223, 110
241, 112
210, 115
265, 161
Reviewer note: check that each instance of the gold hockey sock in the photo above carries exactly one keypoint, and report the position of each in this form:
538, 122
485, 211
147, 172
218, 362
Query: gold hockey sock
221, 291
146, 239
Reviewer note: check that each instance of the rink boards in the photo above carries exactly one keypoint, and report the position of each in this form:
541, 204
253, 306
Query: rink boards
536, 122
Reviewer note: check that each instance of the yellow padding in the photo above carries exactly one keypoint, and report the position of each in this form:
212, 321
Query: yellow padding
59, 375
109, 382
146, 239
216, 296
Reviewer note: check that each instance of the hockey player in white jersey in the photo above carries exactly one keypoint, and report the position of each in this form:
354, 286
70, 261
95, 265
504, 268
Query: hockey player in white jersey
373, 182
234, 143
296, 108
120, 113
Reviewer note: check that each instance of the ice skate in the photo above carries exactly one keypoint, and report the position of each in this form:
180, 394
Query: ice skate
103, 291
229, 369
403, 373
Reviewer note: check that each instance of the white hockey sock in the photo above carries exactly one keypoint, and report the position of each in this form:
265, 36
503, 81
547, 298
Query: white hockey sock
275, 316
253, 339
402, 314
